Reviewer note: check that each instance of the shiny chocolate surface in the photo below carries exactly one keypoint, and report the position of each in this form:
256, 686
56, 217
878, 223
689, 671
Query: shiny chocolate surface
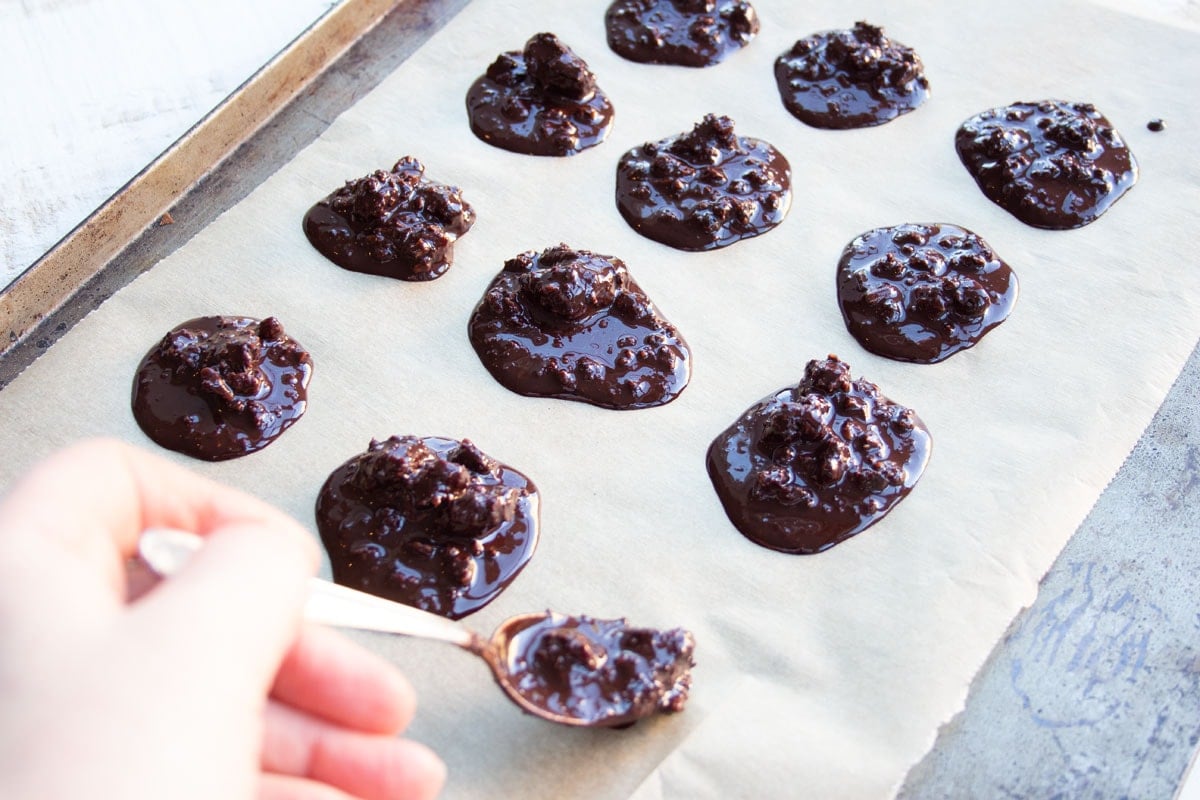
814, 464
1051, 164
688, 33
922, 293
430, 522
573, 324
396, 224
855, 78
216, 388
542, 101
704, 189
602, 672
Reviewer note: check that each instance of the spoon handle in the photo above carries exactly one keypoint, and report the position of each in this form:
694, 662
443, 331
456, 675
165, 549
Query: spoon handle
166, 551
331, 604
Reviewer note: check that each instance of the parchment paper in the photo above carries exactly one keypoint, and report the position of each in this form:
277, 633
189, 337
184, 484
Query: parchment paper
821, 676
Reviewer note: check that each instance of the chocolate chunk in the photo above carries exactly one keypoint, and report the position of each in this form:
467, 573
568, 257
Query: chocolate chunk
601, 672
922, 293
814, 464
575, 325
1050, 164
542, 101
1156, 126
432, 523
705, 189
689, 33
850, 78
217, 388
396, 224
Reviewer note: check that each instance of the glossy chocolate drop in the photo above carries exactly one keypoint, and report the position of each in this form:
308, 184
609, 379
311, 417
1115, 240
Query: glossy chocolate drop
217, 388
396, 224
575, 325
854, 78
430, 522
922, 293
705, 189
1050, 164
813, 464
540, 101
602, 672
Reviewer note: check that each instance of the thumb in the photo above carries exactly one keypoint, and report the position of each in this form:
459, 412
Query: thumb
235, 607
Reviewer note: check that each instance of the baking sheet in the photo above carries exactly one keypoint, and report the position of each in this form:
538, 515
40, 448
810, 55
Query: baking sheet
821, 676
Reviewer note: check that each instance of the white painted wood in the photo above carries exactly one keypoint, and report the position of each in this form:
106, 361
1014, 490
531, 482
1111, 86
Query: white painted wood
94, 90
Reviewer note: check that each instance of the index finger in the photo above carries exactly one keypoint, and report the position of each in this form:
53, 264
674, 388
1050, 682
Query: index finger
95, 498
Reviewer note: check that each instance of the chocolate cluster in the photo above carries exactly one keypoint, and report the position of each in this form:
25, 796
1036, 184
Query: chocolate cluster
1050, 164
573, 324
542, 100
814, 464
922, 293
431, 522
704, 189
689, 33
850, 78
396, 224
221, 387
600, 672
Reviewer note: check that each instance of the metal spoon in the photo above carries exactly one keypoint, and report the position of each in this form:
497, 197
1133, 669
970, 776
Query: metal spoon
166, 551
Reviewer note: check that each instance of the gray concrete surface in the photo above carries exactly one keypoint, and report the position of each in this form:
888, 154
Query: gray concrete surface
1095, 690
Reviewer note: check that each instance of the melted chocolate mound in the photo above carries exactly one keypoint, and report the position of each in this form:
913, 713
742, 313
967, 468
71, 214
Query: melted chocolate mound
602, 672
432, 523
689, 33
395, 224
705, 189
814, 464
541, 101
922, 293
1051, 164
850, 78
574, 325
221, 387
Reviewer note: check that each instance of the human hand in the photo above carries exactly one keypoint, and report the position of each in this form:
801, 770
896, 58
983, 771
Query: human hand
208, 686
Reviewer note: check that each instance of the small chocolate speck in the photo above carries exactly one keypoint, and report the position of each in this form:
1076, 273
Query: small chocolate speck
1156, 125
